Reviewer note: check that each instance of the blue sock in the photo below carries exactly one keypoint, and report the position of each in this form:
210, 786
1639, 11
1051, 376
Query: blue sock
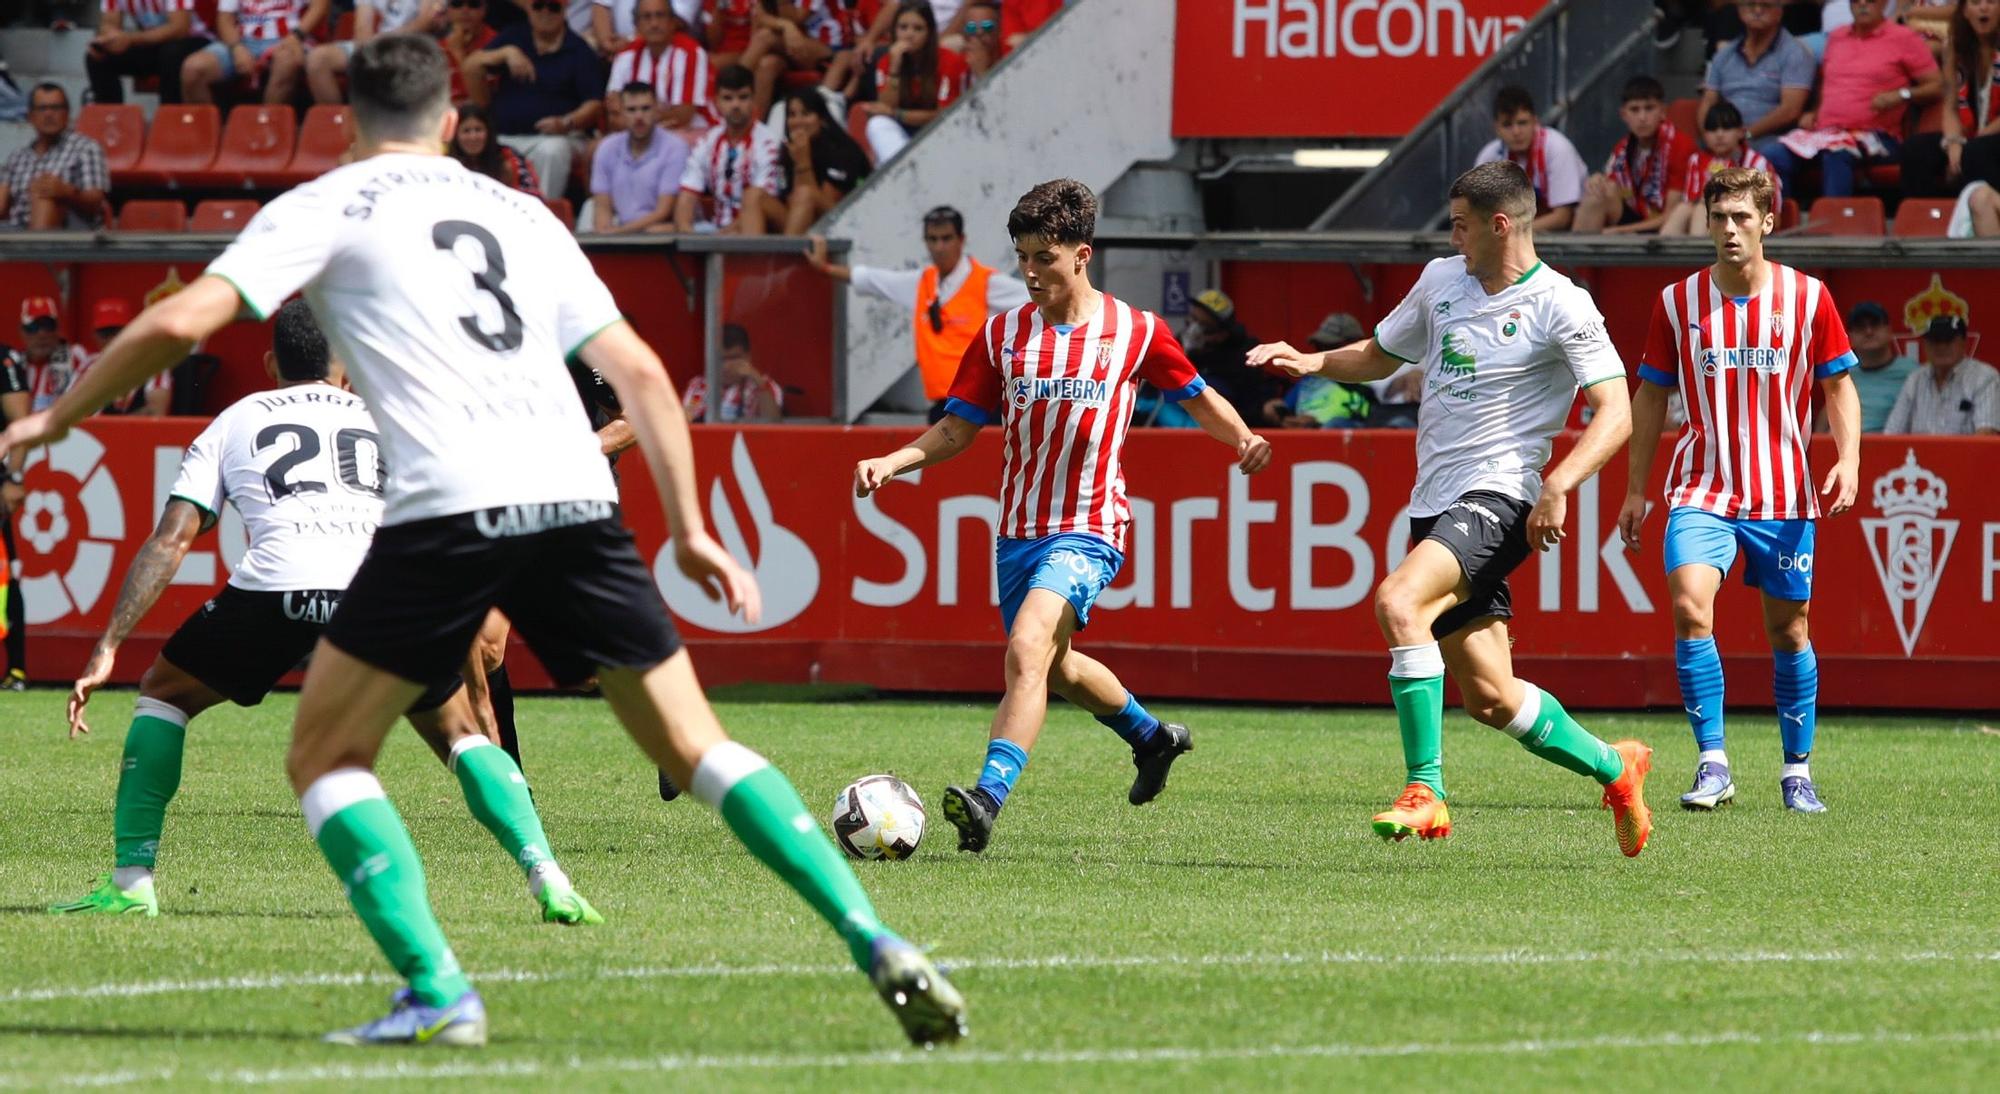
1700, 670
1795, 683
1132, 724
1004, 761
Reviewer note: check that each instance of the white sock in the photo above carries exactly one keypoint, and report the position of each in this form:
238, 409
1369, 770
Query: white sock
1714, 756
1795, 770
130, 878
1416, 662
544, 875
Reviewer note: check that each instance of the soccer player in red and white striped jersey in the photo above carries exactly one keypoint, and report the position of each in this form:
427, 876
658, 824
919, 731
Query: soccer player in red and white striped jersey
1058, 376
1744, 340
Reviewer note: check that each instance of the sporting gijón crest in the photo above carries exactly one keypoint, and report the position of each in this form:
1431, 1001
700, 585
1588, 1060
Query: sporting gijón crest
1909, 543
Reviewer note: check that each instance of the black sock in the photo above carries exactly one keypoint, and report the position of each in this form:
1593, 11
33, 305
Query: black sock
502, 695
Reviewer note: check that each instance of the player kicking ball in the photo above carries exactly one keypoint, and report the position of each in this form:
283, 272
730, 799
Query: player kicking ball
302, 465
1059, 374
1744, 340
454, 301
1505, 343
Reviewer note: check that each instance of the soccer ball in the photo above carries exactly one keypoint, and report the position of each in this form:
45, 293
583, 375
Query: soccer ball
879, 816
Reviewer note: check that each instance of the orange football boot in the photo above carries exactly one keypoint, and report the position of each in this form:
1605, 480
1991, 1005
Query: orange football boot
1418, 812
1626, 798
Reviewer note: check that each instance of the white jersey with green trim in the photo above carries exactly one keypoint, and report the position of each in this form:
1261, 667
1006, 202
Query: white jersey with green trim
1501, 371
303, 467
453, 299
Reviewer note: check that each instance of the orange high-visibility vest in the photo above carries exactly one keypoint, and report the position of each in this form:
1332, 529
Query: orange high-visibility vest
938, 351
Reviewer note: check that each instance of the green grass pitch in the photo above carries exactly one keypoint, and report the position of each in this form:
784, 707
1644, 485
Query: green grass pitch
1246, 931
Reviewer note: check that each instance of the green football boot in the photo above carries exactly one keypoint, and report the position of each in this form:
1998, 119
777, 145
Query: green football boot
567, 906
109, 899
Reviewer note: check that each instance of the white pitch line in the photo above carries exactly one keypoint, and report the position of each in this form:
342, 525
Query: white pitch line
131, 990
1339, 1050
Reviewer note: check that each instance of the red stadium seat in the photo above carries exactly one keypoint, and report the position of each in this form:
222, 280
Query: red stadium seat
217, 215
153, 216
1846, 217
183, 141
1922, 218
1683, 113
257, 144
563, 211
120, 128
323, 140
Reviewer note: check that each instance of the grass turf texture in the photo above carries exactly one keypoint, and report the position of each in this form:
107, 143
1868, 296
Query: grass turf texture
1245, 930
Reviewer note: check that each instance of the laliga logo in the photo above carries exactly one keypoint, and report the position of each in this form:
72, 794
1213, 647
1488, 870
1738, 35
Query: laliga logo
46, 525
786, 570
1909, 543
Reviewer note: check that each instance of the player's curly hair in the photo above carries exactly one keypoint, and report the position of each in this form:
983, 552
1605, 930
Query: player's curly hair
299, 344
1739, 180
1058, 211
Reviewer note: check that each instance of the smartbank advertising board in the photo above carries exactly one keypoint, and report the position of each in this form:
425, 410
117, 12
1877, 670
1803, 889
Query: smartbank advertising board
1328, 68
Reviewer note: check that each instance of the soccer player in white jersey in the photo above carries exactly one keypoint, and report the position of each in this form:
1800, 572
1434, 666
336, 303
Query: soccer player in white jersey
1058, 374
303, 467
454, 301
1743, 340
1505, 343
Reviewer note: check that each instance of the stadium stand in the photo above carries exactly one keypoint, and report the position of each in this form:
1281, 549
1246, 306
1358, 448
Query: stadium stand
256, 149
181, 142
1922, 218
220, 215
120, 128
152, 216
1855, 216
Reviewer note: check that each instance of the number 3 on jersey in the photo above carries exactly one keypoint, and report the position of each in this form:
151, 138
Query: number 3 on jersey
487, 278
357, 460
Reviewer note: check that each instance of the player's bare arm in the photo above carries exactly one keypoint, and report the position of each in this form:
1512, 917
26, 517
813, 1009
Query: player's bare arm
1649, 420
659, 426
1219, 420
1358, 363
1843, 417
950, 436
158, 339
151, 570
1610, 427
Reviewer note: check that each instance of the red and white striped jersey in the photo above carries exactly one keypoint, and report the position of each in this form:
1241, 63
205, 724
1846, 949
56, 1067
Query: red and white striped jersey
1745, 367
1705, 163
722, 170
1064, 401
147, 14
264, 20
680, 76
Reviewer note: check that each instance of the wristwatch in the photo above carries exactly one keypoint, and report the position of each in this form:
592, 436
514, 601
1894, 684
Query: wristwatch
13, 477
1903, 93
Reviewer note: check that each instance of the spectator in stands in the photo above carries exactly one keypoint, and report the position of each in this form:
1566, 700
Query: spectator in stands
466, 33
820, 159
983, 45
259, 41
747, 394
549, 95
1968, 148
1548, 157
1931, 19
1875, 71
1883, 371
162, 35
155, 397
1722, 135
784, 38
1317, 402
52, 363
1020, 18
915, 79
950, 299
1978, 212
326, 65
57, 180
850, 75
727, 28
636, 174
614, 24
1767, 73
472, 144
1646, 177
733, 183
1218, 345
673, 63
1955, 395
16, 399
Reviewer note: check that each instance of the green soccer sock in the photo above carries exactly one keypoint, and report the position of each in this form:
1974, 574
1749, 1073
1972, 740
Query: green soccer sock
497, 794
760, 806
147, 780
1544, 728
365, 842
1416, 683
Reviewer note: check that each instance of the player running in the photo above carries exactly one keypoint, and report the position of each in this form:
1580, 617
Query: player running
1505, 343
1059, 374
454, 301
302, 465
1744, 340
